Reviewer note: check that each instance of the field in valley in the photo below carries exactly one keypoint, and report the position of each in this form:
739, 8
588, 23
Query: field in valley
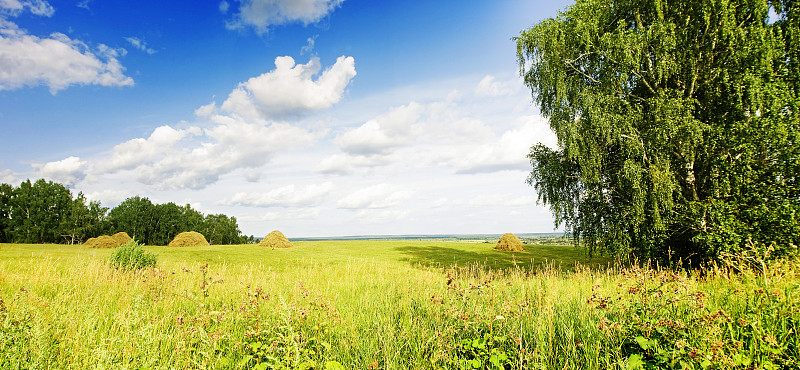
389, 304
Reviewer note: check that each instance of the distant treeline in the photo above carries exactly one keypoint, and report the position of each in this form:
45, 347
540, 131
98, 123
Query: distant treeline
47, 212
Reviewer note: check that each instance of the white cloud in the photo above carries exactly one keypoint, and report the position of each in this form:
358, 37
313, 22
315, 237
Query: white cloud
398, 127
37, 7
262, 14
109, 197
509, 152
292, 214
224, 6
501, 200
309, 47
287, 196
207, 110
140, 44
67, 171
9, 177
56, 62
84, 4
491, 87
136, 152
376, 196
290, 89
231, 144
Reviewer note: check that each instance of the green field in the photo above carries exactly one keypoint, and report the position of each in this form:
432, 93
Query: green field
388, 304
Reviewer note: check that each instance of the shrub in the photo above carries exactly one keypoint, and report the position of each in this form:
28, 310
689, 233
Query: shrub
131, 256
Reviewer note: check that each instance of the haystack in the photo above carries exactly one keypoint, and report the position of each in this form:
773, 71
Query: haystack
188, 239
275, 239
102, 241
509, 242
121, 237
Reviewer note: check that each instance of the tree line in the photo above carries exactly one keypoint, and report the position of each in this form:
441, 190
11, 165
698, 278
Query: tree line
47, 212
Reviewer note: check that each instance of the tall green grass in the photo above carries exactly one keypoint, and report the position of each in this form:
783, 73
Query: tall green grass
388, 305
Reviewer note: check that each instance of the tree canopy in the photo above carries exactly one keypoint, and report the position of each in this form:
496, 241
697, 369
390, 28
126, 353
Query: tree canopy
676, 121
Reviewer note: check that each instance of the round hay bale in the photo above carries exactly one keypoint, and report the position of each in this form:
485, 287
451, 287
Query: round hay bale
509, 242
105, 241
275, 239
121, 238
188, 239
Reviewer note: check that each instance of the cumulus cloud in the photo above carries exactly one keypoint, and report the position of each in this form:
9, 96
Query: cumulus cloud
55, 61
37, 7
290, 89
229, 145
509, 152
136, 152
376, 196
287, 196
462, 133
489, 86
67, 171
396, 128
140, 44
262, 14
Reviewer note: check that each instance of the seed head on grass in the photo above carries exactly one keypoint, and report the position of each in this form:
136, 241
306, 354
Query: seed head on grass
131, 256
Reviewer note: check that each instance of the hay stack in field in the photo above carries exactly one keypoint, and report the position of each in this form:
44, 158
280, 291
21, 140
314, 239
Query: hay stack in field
121, 237
103, 241
188, 239
509, 242
275, 239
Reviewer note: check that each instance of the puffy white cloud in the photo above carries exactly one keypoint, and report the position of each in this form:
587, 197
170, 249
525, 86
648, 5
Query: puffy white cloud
398, 127
261, 14
466, 134
376, 196
9, 177
140, 44
231, 144
489, 86
509, 152
67, 171
290, 89
287, 196
136, 152
38, 7
56, 62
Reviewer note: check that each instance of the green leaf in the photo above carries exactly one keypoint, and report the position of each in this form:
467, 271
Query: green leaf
643, 342
635, 362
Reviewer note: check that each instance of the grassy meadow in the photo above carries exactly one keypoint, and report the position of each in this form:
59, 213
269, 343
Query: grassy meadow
390, 304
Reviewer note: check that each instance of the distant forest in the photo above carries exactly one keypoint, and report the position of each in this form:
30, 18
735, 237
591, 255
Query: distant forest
47, 212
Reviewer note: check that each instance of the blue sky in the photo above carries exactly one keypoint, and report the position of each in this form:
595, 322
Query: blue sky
314, 117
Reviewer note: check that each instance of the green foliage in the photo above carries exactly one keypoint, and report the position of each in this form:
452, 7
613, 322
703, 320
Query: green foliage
131, 256
676, 122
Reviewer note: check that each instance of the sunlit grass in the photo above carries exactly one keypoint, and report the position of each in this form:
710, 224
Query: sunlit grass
384, 304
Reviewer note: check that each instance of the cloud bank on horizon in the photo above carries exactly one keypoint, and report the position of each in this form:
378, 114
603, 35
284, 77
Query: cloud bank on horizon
291, 146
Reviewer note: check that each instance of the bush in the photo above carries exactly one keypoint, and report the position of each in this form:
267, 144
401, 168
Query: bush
131, 256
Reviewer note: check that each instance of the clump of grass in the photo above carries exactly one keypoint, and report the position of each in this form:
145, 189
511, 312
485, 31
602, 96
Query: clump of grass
131, 256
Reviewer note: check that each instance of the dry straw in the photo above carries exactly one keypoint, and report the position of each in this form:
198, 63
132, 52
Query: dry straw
275, 239
509, 242
105, 241
188, 239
